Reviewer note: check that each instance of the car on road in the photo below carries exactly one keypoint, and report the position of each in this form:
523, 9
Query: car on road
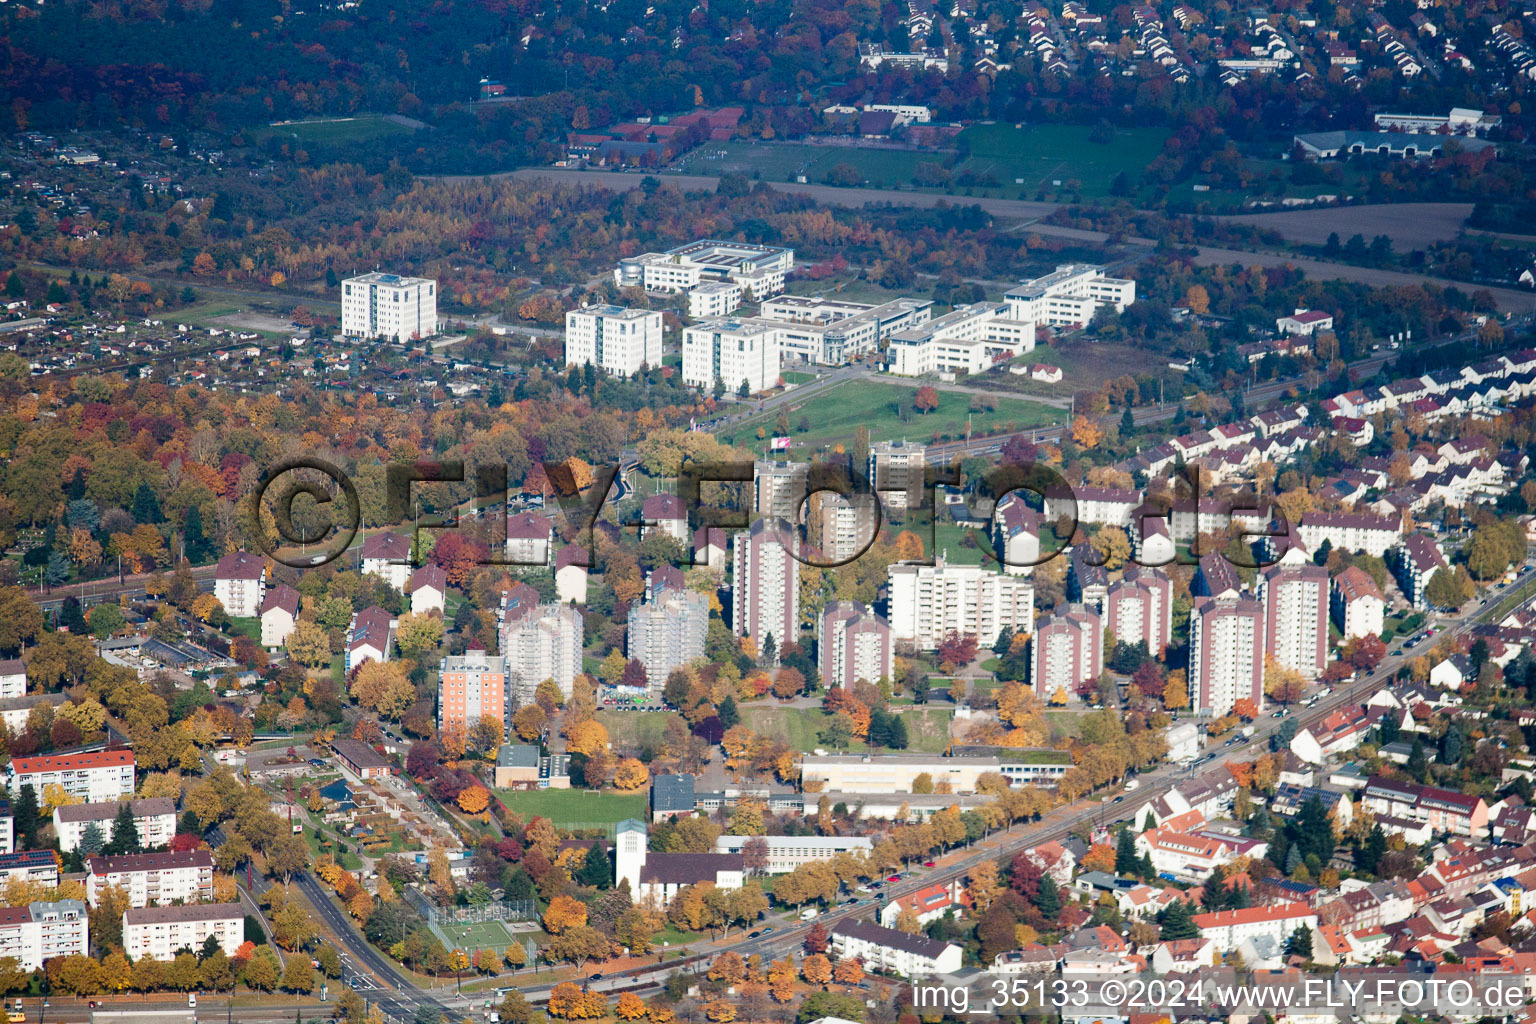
894, 878
595, 977
16, 1017
768, 930
753, 935
1117, 799
927, 863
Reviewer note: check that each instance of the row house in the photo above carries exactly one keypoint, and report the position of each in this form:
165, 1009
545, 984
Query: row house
1349, 531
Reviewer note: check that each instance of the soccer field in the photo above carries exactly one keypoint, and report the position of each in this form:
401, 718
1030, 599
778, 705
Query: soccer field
481, 935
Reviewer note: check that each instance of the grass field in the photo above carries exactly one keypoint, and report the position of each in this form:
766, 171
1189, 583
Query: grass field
835, 414
629, 731
480, 935
1042, 154
339, 130
927, 729
787, 161
574, 808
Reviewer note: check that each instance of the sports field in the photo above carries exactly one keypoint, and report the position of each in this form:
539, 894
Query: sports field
1043, 154
481, 935
837, 413
574, 808
788, 161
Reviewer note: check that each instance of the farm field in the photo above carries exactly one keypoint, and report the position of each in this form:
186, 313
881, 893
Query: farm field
1409, 225
574, 808
837, 413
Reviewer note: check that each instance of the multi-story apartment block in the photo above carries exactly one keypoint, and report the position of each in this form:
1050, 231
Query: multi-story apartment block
1067, 650
928, 602
387, 306
1267, 927
966, 340
240, 583
1358, 607
94, 776
158, 932
1415, 561
539, 641
1226, 653
1016, 535
667, 631
1139, 609
30, 866
839, 527
765, 590
616, 339
1350, 531
760, 270
780, 488
471, 686
154, 820
1071, 294
1444, 810
896, 473
279, 613
853, 643
1296, 616
13, 678
39, 932
388, 556
888, 949
152, 878
732, 352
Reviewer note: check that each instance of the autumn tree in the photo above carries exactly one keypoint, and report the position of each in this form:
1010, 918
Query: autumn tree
926, 399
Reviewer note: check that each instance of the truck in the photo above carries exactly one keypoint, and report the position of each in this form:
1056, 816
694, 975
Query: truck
808, 913
1247, 731
1132, 784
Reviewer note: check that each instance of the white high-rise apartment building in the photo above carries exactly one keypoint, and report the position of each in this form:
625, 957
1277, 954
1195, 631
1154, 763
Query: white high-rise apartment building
731, 351
1226, 653
928, 602
765, 583
1071, 294
1139, 609
667, 632
388, 306
615, 339
1296, 616
853, 643
540, 641
896, 472
841, 528
1068, 649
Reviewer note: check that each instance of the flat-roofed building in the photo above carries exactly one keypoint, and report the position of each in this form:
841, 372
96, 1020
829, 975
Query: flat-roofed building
894, 773
733, 352
1296, 616
765, 591
389, 306
966, 340
785, 853
1070, 294
616, 339
928, 602
471, 686
760, 270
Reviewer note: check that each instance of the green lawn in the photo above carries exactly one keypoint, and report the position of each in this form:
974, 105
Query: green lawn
1045, 153
250, 627
575, 808
949, 538
835, 414
796, 377
340, 130
927, 728
787, 161
1401, 624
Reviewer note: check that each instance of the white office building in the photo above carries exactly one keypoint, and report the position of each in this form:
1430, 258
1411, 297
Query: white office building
615, 339
388, 306
928, 602
966, 340
1071, 294
760, 270
731, 352
714, 299
785, 853
158, 932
